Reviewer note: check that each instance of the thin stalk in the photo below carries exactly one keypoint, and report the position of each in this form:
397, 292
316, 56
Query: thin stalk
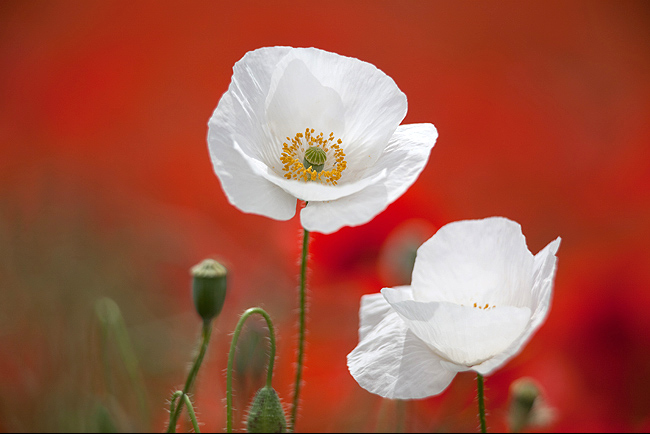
191, 377
190, 410
301, 329
481, 402
231, 358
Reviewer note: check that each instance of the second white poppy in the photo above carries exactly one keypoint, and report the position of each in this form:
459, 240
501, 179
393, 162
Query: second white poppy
477, 296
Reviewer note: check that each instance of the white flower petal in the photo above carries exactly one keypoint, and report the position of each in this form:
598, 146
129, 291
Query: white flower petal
352, 210
475, 261
544, 275
300, 101
374, 308
463, 335
392, 362
405, 157
248, 89
315, 192
374, 105
545, 266
402, 162
454, 367
244, 189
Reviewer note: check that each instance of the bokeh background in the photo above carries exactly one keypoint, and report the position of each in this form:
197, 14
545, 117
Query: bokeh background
107, 190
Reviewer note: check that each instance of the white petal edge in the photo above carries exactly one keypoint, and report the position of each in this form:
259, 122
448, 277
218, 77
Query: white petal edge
393, 363
544, 276
403, 160
244, 188
463, 335
475, 261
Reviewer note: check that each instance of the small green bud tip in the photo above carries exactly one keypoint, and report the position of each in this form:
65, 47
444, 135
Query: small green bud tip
209, 288
315, 157
266, 413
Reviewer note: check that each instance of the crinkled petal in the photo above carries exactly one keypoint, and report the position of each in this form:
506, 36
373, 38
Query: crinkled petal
544, 275
402, 162
248, 90
475, 261
243, 187
464, 335
392, 362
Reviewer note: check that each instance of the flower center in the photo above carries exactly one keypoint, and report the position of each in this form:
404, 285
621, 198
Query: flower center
307, 157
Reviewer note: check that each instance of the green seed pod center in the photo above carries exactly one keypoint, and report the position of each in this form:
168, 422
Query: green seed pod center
315, 157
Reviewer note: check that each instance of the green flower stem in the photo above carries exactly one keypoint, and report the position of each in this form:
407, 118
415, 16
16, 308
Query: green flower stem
191, 377
231, 358
301, 330
481, 402
190, 410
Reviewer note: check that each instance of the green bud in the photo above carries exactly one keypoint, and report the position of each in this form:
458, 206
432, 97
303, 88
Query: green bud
209, 288
266, 413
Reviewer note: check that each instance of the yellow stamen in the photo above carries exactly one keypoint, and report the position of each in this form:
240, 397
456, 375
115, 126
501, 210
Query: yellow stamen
293, 154
486, 307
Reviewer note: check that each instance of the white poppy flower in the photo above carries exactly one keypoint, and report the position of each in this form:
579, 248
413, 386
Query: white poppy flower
477, 295
302, 123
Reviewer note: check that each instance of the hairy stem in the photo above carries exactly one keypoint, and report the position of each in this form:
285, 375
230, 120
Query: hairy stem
301, 329
481, 402
191, 377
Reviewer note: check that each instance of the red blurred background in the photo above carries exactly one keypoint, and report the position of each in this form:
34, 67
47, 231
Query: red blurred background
106, 189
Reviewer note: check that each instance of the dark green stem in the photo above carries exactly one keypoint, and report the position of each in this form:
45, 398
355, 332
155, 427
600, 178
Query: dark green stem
481, 402
231, 358
301, 329
176, 412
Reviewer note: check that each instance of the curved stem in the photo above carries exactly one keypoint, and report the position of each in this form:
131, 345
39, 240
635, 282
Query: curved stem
205, 339
481, 402
190, 410
231, 358
301, 329
172, 404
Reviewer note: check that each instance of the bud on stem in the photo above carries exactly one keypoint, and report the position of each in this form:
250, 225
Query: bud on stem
209, 288
266, 413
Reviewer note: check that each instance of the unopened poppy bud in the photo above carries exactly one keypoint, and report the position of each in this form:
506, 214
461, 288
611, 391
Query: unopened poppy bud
209, 288
266, 413
527, 406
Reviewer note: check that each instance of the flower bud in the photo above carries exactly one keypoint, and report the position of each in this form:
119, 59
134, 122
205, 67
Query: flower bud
209, 288
527, 407
266, 413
